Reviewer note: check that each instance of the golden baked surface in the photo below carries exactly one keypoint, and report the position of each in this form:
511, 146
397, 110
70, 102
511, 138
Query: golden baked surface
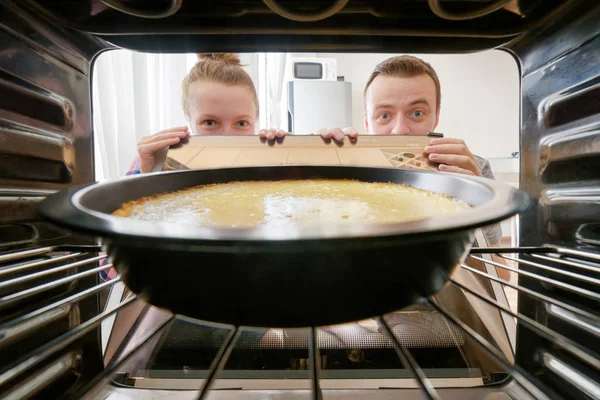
292, 202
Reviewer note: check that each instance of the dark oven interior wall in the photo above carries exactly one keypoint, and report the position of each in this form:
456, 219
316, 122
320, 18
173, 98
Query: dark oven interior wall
45, 104
45, 118
45, 145
560, 169
46, 142
560, 130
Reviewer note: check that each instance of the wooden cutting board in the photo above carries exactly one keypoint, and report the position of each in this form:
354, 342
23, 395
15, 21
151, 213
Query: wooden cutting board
243, 151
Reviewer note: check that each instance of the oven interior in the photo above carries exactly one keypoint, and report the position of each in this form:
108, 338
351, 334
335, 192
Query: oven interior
53, 305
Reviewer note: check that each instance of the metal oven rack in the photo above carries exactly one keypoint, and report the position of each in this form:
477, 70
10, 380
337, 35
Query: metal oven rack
552, 366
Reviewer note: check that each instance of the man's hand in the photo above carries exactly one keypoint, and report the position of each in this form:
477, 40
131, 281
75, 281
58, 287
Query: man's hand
153, 148
270, 134
338, 134
453, 155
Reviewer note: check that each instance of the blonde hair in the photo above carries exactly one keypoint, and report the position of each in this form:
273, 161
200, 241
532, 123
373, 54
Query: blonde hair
224, 68
406, 66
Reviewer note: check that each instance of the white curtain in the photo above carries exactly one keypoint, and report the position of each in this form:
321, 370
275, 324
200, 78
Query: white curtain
135, 95
278, 75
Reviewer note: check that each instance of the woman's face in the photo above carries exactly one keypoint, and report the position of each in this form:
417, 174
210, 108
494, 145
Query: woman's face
218, 109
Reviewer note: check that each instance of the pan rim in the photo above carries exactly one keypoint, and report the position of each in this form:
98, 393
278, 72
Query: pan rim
67, 208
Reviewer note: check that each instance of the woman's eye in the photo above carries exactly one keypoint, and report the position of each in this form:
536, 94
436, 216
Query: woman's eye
243, 124
209, 122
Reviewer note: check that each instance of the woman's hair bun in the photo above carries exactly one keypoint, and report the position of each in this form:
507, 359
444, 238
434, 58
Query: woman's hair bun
227, 58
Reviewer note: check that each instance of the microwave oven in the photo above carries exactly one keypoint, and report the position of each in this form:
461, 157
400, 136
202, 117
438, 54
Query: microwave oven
314, 69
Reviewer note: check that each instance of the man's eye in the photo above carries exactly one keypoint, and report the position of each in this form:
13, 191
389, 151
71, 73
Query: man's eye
243, 124
418, 113
209, 122
384, 116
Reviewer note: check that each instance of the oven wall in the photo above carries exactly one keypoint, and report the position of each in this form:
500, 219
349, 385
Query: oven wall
560, 169
45, 126
45, 145
560, 130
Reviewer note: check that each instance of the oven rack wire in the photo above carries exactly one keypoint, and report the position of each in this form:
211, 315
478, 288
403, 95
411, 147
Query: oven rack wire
564, 269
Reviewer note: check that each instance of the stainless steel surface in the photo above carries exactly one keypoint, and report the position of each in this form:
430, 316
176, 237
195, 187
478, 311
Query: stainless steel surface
507, 392
14, 298
250, 26
439, 10
560, 128
572, 288
220, 360
578, 350
576, 378
55, 346
173, 7
314, 358
29, 323
43, 378
520, 376
14, 331
47, 66
45, 129
409, 363
49, 271
279, 9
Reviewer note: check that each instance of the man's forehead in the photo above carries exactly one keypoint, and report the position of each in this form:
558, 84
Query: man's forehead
407, 91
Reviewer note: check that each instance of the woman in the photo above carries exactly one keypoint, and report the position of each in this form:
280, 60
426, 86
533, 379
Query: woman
218, 97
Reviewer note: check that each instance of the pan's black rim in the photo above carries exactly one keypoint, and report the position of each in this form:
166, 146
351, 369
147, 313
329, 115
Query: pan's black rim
65, 209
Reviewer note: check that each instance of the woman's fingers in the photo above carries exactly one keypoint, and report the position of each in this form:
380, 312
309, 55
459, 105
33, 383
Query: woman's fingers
150, 148
271, 134
350, 132
160, 136
334, 133
337, 134
280, 133
151, 145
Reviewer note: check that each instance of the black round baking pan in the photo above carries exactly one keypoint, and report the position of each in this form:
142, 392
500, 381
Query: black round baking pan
307, 276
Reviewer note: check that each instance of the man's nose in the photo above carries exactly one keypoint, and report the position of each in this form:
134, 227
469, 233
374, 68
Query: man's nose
400, 126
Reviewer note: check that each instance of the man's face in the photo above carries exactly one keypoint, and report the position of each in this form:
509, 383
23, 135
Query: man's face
401, 106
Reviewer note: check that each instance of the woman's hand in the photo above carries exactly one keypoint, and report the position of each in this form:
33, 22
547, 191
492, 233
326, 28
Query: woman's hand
153, 149
338, 134
453, 155
270, 134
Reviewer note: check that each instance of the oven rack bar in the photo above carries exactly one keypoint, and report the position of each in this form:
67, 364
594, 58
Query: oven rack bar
554, 282
583, 313
58, 344
409, 363
315, 364
557, 339
583, 261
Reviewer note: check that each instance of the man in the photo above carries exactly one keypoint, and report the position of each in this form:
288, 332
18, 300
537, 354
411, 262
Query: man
403, 97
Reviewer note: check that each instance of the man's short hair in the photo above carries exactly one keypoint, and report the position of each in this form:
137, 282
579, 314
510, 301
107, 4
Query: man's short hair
405, 67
